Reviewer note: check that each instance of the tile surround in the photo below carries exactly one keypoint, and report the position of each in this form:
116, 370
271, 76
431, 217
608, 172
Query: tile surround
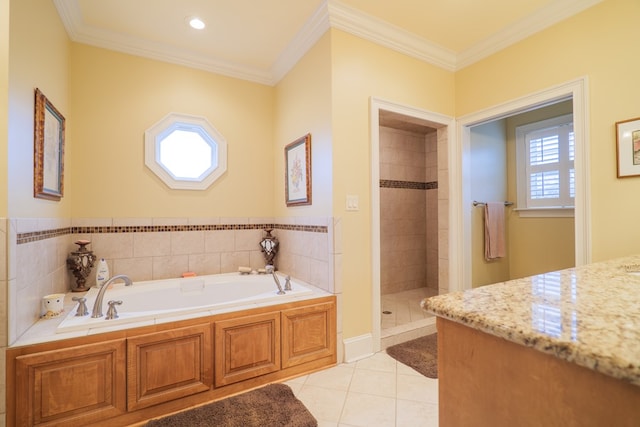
156, 248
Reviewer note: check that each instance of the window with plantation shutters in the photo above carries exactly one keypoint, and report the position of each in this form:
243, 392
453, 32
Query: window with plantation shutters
545, 162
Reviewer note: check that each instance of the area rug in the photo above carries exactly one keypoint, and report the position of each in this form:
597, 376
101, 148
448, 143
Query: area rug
421, 354
273, 405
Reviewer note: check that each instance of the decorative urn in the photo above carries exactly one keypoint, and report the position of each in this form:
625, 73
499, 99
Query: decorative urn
269, 247
80, 263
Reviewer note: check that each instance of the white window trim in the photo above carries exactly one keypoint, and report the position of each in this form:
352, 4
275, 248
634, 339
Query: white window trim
185, 121
521, 178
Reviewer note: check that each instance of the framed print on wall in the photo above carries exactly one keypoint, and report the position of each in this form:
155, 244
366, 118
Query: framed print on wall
297, 161
628, 147
48, 150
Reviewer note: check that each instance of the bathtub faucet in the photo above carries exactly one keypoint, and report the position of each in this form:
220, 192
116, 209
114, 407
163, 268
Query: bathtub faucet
97, 306
270, 270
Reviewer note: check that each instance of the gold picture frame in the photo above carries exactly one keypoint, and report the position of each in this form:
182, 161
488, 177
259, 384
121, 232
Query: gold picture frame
628, 147
297, 161
48, 163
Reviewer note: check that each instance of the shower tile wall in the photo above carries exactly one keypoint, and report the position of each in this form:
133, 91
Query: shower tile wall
408, 210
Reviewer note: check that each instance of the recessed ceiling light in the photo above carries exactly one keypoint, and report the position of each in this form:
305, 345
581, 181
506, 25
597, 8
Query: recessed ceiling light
196, 23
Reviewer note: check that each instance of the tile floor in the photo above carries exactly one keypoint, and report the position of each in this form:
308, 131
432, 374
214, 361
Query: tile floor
374, 392
404, 307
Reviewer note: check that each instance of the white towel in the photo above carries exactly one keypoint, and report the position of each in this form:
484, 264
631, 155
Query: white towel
494, 246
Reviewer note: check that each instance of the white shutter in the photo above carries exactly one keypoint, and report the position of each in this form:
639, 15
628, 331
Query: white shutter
545, 158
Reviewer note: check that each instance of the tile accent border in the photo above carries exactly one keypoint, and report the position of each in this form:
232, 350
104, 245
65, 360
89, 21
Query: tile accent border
410, 185
48, 234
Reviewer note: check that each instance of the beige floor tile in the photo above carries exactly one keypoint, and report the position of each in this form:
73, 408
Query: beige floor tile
417, 388
376, 383
337, 378
369, 411
403, 369
416, 414
374, 392
324, 403
378, 362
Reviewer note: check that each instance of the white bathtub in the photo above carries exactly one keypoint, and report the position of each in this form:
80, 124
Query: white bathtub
172, 298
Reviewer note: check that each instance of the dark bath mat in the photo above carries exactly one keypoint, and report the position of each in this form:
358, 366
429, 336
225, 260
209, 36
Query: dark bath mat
421, 354
273, 405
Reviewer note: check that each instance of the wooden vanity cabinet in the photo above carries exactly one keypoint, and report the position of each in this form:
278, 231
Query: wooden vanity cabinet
308, 334
73, 386
168, 365
246, 347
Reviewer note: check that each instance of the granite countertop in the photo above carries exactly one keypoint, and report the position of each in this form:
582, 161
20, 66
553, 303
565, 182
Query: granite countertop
588, 315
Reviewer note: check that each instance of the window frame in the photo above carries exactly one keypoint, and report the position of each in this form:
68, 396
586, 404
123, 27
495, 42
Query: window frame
184, 122
524, 208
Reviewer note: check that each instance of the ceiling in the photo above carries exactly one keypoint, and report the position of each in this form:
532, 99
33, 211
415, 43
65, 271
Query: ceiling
260, 40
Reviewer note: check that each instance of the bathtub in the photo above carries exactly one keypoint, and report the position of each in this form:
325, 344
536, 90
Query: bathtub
157, 300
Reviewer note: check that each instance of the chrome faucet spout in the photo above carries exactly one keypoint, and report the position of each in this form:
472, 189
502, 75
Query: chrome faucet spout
97, 305
271, 270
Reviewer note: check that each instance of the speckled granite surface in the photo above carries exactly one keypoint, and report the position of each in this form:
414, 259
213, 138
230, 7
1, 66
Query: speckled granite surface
589, 315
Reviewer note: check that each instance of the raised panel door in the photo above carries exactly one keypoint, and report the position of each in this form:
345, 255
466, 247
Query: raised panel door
246, 347
308, 333
167, 365
73, 386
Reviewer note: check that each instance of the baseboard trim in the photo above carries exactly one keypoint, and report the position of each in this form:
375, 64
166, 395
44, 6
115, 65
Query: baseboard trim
357, 348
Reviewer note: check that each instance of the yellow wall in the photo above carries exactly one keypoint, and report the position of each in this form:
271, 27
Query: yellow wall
303, 105
4, 104
536, 245
116, 97
38, 58
488, 168
361, 69
600, 43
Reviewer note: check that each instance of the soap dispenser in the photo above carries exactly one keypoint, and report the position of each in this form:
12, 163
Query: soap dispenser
102, 273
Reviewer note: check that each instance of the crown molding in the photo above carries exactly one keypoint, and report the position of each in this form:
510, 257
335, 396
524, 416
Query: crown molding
330, 14
309, 34
518, 31
385, 34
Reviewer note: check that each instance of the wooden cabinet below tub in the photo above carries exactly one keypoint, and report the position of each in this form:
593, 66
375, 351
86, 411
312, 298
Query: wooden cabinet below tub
168, 365
73, 386
246, 347
308, 333
129, 376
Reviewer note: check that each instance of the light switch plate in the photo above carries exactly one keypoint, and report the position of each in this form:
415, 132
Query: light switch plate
352, 203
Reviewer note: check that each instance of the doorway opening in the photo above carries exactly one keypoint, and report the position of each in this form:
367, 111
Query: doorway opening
462, 206
410, 148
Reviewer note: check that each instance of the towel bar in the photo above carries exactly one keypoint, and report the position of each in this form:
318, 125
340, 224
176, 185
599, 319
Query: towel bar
484, 203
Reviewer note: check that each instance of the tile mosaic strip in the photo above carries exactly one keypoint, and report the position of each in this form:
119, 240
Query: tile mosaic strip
41, 235
47, 234
410, 185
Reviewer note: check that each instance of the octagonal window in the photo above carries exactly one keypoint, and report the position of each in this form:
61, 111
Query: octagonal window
185, 152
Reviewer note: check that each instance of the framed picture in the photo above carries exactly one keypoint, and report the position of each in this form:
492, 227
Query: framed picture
628, 147
48, 165
297, 160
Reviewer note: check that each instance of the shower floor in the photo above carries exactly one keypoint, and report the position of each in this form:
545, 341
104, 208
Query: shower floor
402, 317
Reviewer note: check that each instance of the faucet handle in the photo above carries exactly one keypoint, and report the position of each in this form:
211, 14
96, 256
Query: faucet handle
82, 307
287, 283
112, 313
269, 268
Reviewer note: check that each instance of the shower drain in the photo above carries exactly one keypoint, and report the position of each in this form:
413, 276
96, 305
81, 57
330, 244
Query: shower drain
386, 312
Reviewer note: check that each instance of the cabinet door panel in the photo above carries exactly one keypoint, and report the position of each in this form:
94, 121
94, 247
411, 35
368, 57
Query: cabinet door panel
163, 366
71, 386
246, 347
308, 333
